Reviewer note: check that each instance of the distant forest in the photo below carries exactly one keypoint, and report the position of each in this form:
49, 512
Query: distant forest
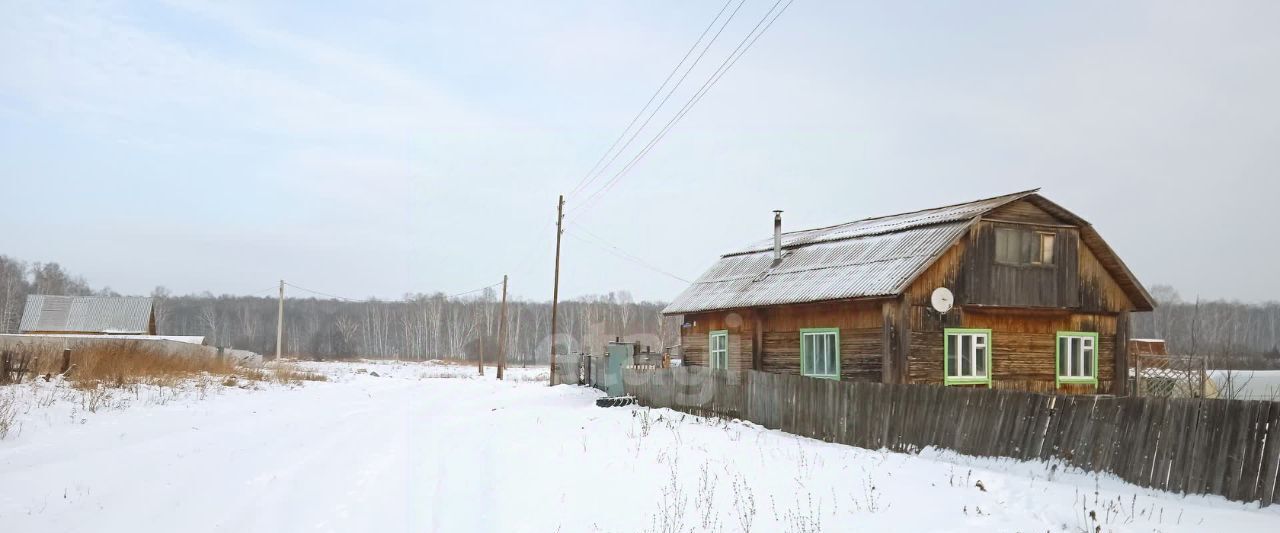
1232, 334
430, 326
419, 326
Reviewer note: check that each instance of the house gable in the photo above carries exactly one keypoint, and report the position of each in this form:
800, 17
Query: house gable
1025, 212
885, 256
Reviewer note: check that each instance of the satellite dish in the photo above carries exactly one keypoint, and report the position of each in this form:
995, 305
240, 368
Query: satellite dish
942, 299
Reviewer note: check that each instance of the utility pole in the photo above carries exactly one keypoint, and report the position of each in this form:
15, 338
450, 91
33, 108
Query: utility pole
555, 292
280, 322
502, 331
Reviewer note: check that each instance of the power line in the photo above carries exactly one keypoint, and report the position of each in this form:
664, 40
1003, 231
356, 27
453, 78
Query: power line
625, 256
334, 296
271, 289
593, 174
747, 42
619, 252
476, 290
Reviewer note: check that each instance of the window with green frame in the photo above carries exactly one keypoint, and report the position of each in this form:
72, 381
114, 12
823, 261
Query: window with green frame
1077, 357
820, 353
718, 349
967, 356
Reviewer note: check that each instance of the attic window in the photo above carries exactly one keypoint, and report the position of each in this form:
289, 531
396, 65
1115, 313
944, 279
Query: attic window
1021, 247
1045, 255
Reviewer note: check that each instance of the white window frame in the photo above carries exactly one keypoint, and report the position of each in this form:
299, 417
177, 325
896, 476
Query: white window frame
1079, 363
827, 342
972, 366
718, 349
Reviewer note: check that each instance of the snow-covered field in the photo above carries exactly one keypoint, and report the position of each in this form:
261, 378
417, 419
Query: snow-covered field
429, 448
1248, 384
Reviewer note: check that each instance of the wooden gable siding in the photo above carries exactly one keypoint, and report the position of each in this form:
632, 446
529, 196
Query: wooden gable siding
1099, 291
992, 283
945, 272
1079, 280
1025, 212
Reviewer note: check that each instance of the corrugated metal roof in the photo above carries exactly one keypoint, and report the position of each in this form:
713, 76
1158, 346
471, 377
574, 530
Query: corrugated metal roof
865, 258
888, 224
87, 314
185, 339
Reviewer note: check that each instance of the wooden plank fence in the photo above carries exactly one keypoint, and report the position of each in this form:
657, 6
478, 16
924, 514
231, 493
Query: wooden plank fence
1184, 445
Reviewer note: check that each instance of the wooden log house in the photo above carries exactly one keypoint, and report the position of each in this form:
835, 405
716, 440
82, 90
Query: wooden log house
1041, 302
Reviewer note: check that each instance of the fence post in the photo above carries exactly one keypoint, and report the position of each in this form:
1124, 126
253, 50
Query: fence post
1204, 375
66, 361
1137, 376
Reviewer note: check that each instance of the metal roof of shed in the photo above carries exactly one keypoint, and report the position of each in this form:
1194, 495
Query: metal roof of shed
861, 259
87, 314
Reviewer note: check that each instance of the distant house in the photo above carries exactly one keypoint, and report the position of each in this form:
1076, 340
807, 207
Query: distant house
88, 315
1041, 302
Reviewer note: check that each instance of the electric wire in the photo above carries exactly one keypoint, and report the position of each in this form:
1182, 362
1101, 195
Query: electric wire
304, 289
747, 42
597, 170
334, 296
618, 252
475, 290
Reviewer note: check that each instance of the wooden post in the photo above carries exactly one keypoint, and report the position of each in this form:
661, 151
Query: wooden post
502, 330
1120, 359
1137, 376
66, 361
757, 344
555, 291
903, 332
889, 348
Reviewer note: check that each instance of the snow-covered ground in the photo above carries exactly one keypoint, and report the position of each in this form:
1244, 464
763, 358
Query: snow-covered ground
432, 448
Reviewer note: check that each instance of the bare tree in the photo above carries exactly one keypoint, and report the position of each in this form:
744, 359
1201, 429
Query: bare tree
49, 278
209, 316
461, 328
13, 292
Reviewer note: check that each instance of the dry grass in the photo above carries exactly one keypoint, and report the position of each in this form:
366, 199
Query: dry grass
128, 363
115, 375
282, 372
8, 413
290, 374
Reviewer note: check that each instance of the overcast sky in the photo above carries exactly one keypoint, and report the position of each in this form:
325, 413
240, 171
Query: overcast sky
376, 151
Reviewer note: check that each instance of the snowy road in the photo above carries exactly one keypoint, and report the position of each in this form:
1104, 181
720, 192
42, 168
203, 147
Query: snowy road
408, 454
372, 453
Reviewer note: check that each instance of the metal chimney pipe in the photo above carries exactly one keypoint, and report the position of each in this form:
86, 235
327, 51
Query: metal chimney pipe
777, 235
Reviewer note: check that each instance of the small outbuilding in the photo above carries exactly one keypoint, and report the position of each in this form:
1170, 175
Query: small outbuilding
1008, 292
88, 315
